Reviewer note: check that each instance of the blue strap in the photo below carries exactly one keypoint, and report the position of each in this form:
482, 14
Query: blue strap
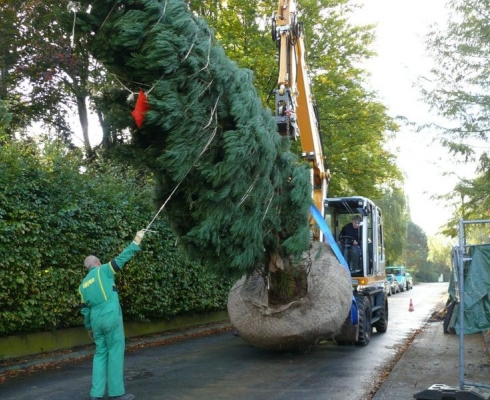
317, 216
354, 317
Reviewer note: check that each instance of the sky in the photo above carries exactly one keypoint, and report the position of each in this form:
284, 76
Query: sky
401, 59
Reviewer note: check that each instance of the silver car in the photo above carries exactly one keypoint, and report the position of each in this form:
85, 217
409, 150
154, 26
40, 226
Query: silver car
395, 287
409, 281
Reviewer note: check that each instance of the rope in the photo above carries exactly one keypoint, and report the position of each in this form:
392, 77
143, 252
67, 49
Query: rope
73, 4
213, 115
106, 18
268, 206
73, 7
186, 56
249, 190
161, 16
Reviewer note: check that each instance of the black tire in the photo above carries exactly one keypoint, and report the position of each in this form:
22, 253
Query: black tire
447, 318
382, 324
365, 328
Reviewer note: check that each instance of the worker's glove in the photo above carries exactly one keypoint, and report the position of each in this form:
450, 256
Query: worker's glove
139, 237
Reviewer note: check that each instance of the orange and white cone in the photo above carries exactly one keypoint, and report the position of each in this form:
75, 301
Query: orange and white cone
410, 307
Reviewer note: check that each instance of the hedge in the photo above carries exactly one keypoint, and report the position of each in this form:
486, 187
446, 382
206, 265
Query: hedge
53, 214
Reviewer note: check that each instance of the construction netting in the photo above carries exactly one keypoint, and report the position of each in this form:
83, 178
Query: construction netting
476, 296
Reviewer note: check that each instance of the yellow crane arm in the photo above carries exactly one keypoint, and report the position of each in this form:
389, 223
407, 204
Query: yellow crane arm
296, 114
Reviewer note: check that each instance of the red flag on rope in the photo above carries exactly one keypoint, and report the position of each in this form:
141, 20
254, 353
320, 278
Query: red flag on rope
140, 109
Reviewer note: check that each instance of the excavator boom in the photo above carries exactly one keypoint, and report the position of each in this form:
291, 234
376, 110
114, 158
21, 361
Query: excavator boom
296, 112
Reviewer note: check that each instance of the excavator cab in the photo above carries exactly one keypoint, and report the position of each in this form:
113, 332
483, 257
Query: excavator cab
364, 249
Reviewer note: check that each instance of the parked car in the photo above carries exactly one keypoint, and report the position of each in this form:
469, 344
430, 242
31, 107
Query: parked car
409, 279
395, 287
387, 287
399, 272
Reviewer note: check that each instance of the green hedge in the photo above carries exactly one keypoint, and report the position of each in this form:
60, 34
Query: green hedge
52, 215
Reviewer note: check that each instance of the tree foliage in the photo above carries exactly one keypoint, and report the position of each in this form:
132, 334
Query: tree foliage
212, 146
469, 201
416, 253
440, 255
244, 31
63, 75
458, 86
48, 75
52, 216
396, 218
458, 89
355, 123
33, 52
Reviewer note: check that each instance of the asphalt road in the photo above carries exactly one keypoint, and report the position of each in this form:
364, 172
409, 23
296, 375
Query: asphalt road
223, 366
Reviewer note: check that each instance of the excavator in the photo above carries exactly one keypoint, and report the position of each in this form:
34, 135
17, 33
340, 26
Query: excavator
297, 118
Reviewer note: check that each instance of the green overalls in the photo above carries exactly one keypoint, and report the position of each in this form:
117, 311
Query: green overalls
102, 314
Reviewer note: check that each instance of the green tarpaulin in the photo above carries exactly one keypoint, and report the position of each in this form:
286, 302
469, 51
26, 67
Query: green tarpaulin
476, 291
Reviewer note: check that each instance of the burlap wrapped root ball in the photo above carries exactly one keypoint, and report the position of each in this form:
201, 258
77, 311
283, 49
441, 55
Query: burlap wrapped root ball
318, 315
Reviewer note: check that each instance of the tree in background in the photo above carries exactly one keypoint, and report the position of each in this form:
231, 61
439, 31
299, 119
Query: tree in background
416, 253
5, 118
440, 255
396, 217
64, 77
470, 201
34, 49
458, 86
8, 48
355, 125
244, 31
458, 89
48, 76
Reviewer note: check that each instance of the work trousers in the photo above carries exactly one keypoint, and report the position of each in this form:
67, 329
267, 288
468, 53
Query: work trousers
108, 364
353, 257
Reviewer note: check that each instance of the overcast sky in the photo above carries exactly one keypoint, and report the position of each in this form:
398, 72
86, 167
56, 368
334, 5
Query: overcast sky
401, 28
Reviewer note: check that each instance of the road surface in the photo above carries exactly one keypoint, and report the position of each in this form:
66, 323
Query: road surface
223, 366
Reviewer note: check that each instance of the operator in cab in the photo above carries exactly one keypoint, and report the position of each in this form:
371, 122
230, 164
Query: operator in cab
350, 239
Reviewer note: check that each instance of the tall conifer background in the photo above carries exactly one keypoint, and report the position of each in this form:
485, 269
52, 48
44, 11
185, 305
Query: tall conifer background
242, 196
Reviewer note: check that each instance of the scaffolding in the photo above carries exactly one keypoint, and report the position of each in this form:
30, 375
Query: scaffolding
466, 390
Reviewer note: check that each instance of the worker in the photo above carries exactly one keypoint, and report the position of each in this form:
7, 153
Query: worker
103, 320
350, 239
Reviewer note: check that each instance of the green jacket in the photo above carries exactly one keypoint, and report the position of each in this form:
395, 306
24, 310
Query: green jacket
98, 286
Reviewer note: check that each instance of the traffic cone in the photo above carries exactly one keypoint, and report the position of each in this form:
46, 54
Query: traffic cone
410, 307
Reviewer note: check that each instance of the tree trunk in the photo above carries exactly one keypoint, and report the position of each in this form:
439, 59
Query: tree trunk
83, 116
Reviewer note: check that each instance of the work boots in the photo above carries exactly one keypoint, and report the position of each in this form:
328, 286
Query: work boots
126, 396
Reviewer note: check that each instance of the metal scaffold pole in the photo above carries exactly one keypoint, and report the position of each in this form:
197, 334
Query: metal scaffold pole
465, 391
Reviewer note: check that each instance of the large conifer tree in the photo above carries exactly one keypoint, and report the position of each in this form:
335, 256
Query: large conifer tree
241, 197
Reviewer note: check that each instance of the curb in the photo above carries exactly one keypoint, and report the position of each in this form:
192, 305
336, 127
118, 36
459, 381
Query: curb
41, 360
34, 344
